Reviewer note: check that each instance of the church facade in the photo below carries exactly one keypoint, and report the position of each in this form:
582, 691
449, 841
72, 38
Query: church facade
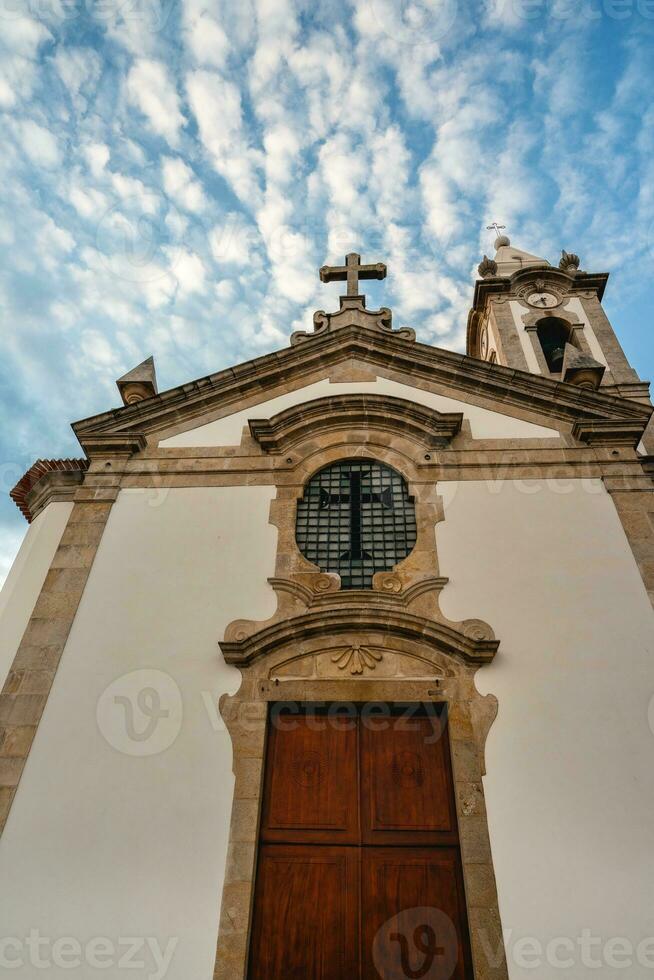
339, 662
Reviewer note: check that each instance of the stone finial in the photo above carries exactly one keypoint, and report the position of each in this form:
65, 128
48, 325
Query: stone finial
139, 383
502, 241
487, 268
569, 262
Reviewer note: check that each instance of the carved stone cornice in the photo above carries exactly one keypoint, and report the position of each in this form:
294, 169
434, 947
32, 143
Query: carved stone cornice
473, 642
636, 390
536, 394
606, 432
593, 282
430, 428
107, 444
47, 480
352, 312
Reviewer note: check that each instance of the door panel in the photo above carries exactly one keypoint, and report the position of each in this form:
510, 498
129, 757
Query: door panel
359, 871
311, 780
406, 781
307, 914
414, 923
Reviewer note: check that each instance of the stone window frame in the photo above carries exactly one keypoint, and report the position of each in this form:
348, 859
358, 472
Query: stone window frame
388, 644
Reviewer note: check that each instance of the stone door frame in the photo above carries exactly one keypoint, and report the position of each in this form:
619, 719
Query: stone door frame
319, 670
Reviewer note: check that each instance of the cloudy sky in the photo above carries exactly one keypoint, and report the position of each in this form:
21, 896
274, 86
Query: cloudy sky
174, 172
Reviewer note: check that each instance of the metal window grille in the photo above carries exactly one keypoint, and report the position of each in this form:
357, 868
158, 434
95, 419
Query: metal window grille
356, 518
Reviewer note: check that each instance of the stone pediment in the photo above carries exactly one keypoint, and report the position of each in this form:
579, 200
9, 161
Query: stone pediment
427, 426
469, 378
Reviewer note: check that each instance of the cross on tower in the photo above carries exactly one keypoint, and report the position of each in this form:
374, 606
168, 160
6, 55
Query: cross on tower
498, 228
355, 498
351, 272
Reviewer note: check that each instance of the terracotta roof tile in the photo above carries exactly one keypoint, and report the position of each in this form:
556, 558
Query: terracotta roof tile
35, 473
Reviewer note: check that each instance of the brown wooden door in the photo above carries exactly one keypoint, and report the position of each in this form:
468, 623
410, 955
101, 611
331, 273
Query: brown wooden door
359, 871
306, 914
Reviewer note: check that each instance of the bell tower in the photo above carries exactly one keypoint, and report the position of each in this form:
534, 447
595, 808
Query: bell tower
529, 315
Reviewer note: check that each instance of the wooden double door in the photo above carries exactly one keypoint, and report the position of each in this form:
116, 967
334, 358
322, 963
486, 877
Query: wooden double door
359, 870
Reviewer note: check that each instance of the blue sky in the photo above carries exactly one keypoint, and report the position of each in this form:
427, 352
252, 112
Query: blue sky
173, 174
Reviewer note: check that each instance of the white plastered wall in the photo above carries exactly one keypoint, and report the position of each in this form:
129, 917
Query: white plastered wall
484, 424
570, 758
105, 843
23, 584
101, 842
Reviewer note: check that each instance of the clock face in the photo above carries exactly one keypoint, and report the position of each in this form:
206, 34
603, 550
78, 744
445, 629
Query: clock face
543, 301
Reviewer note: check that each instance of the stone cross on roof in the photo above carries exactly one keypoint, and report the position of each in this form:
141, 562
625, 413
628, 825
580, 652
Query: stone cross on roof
352, 271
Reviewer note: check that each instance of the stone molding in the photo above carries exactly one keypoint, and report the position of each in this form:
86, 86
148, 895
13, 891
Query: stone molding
606, 432
32, 673
637, 390
471, 641
428, 427
505, 387
352, 312
112, 445
45, 481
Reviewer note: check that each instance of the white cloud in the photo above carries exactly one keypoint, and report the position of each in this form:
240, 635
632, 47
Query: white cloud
216, 104
233, 240
151, 90
7, 94
23, 35
96, 348
225, 290
180, 184
89, 202
97, 156
206, 39
131, 188
78, 68
189, 271
53, 239
443, 217
389, 181
39, 144
282, 146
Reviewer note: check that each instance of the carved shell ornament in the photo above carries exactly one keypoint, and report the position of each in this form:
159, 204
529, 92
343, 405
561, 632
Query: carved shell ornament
356, 658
